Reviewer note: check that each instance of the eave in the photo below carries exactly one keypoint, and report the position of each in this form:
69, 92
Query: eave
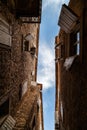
29, 10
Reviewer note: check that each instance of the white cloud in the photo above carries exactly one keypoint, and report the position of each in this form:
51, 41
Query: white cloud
54, 3
46, 69
49, 2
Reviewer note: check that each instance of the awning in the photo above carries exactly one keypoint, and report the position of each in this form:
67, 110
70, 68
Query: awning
67, 19
26, 9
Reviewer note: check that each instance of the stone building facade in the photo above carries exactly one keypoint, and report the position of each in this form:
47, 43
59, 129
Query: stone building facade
71, 70
19, 91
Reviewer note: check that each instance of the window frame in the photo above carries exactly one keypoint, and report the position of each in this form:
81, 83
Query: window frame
75, 41
26, 45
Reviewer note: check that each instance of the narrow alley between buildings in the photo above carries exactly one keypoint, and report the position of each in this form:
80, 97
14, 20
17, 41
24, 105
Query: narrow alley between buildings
43, 63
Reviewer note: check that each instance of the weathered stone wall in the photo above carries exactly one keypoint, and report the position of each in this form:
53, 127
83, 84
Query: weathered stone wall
5, 58
17, 64
77, 6
73, 96
26, 110
23, 63
18, 67
29, 114
73, 81
5, 72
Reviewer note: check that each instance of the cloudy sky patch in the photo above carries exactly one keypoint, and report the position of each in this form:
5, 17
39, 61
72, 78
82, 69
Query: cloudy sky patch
53, 3
48, 30
46, 65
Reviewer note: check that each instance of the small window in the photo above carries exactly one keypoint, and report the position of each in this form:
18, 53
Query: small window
26, 46
20, 92
4, 108
75, 44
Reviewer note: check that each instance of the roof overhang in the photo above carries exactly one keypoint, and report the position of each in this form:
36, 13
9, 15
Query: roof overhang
67, 19
29, 10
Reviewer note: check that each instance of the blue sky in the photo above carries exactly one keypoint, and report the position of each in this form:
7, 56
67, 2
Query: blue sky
46, 65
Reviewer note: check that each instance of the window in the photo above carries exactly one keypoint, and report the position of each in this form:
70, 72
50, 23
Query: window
4, 108
20, 92
26, 46
75, 43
